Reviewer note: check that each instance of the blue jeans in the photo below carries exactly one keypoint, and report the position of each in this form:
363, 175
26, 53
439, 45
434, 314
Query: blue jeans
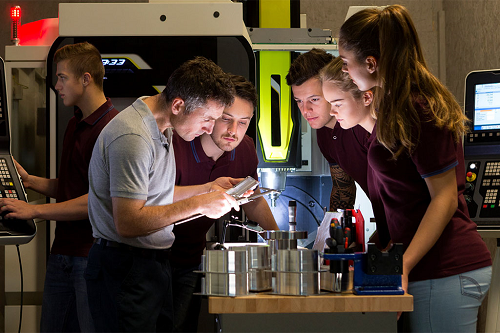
187, 306
449, 304
129, 289
65, 305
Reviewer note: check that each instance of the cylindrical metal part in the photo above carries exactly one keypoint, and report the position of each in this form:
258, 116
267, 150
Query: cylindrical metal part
226, 284
292, 215
292, 283
286, 244
226, 272
234, 261
301, 260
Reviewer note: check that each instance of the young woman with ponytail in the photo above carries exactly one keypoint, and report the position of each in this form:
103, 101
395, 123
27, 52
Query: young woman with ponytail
416, 174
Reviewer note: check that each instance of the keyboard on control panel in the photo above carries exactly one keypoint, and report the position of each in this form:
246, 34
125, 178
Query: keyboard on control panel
482, 191
7, 189
491, 184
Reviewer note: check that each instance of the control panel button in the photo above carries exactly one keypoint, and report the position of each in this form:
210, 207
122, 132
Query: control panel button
471, 176
468, 199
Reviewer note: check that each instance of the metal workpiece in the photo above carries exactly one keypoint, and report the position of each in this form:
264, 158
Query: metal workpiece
290, 35
259, 265
225, 284
281, 234
300, 260
296, 272
236, 271
259, 279
225, 272
336, 282
239, 270
299, 284
283, 240
245, 185
258, 256
227, 261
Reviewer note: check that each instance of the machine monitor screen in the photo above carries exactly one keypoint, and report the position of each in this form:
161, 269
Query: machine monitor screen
482, 107
487, 107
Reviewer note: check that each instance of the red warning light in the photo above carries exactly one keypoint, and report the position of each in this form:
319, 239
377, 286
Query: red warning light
15, 12
15, 15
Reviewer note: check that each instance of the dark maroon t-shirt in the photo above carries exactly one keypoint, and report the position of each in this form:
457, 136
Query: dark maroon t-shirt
194, 167
398, 190
347, 148
74, 238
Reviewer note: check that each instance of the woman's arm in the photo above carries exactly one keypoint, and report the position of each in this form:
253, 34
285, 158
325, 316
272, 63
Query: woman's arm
444, 203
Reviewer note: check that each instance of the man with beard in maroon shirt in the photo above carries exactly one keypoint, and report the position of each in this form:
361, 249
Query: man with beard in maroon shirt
226, 152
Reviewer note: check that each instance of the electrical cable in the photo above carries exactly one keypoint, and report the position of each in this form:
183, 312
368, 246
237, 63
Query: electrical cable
22, 288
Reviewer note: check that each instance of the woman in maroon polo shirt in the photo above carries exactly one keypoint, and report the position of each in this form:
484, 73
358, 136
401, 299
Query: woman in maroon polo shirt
352, 107
416, 170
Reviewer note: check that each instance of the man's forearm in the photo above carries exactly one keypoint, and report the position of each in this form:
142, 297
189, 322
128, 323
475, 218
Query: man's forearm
47, 187
71, 210
133, 219
185, 192
259, 211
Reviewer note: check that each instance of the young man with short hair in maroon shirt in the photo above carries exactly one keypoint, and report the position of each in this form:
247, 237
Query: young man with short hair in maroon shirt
227, 151
80, 75
343, 149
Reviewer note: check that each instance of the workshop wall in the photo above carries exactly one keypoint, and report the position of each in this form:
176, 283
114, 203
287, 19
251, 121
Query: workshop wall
472, 40
330, 14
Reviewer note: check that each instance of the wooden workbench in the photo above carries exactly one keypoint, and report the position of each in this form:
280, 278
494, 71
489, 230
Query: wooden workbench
327, 312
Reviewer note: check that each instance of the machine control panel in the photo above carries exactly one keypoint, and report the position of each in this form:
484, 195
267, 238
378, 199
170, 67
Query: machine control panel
482, 191
12, 231
482, 147
485, 137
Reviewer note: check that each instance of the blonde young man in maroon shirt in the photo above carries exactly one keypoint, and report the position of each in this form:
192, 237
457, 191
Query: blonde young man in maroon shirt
79, 83
343, 149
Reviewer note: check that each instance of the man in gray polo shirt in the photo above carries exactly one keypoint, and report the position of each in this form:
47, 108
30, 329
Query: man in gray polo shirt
133, 201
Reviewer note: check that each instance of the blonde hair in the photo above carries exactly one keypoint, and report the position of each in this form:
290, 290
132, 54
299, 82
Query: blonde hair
333, 73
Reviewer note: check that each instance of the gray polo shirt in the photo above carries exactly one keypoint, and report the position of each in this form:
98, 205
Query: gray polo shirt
131, 159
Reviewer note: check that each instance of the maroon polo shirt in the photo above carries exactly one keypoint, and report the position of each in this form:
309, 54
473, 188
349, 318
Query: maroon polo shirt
75, 237
399, 191
347, 148
194, 167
